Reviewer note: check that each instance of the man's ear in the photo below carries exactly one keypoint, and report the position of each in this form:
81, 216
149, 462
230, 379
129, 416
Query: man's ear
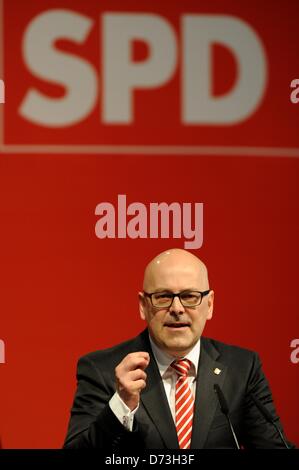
210, 304
141, 305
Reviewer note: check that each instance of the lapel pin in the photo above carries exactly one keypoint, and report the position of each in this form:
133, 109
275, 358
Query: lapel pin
217, 371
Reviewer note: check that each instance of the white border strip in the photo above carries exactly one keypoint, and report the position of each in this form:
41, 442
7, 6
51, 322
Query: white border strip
196, 150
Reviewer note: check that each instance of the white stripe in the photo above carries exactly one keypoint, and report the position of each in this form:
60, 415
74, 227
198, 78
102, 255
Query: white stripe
179, 399
179, 388
181, 368
188, 431
196, 150
184, 414
182, 372
182, 438
187, 423
187, 445
187, 399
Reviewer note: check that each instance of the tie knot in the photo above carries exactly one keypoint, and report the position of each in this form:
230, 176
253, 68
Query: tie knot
182, 366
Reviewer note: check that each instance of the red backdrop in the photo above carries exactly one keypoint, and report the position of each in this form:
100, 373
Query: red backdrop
65, 292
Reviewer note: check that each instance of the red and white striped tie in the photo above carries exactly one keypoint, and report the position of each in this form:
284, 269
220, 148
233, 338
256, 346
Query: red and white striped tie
184, 403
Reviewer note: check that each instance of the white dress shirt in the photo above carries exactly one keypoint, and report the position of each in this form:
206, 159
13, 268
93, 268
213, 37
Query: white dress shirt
169, 378
169, 375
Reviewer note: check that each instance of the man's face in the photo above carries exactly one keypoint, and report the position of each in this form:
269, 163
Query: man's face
176, 329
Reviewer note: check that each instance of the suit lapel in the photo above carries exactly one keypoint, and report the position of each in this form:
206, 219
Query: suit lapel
155, 402
205, 397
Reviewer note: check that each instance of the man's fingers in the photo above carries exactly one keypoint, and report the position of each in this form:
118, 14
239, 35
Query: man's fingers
140, 385
132, 387
137, 374
135, 361
137, 358
125, 379
131, 378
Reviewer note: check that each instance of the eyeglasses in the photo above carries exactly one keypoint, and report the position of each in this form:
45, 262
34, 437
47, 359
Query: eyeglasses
188, 298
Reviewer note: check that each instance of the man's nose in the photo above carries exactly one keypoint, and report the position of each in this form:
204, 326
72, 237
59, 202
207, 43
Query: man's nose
176, 306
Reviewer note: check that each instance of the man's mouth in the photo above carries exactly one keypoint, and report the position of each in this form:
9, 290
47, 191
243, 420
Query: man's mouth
177, 325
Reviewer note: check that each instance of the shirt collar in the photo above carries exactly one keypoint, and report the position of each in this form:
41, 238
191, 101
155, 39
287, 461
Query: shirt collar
164, 359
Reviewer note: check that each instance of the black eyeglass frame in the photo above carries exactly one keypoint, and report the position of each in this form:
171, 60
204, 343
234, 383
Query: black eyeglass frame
178, 294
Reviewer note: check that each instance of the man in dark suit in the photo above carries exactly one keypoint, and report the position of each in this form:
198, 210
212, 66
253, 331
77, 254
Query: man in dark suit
157, 390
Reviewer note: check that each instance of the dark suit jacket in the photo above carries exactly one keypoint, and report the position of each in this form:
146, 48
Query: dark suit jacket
93, 424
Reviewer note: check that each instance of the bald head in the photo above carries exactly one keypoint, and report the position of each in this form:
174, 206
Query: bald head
176, 328
175, 270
